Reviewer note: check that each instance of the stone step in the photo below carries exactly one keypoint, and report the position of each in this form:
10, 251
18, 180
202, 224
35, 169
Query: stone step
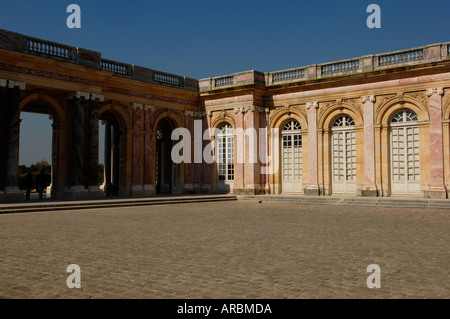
41, 207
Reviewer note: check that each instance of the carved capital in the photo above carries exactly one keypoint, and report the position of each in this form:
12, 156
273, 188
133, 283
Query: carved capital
99, 97
189, 113
314, 105
3, 83
150, 108
239, 109
368, 98
438, 91
20, 85
79, 94
137, 106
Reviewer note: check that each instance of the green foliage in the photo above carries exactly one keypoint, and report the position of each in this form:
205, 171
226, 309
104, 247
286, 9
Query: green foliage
35, 170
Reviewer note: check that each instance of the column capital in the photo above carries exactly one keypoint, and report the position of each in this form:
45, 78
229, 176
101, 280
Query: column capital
149, 108
137, 106
20, 85
368, 98
194, 114
314, 105
79, 94
438, 91
239, 109
3, 83
99, 97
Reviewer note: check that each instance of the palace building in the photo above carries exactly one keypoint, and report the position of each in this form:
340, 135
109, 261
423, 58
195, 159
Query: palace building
377, 125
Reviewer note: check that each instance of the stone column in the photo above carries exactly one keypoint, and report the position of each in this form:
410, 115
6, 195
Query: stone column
189, 167
108, 152
12, 141
78, 188
3, 140
252, 177
239, 148
149, 176
138, 152
93, 141
313, 185
369, 189
437, 187
206, 167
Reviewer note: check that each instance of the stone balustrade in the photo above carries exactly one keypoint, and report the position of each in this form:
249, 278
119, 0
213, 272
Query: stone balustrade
340, 67
117, 67
22, 43
401, 57
431, 53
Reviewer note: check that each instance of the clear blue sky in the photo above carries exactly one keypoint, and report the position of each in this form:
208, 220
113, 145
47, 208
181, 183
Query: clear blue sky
210, 38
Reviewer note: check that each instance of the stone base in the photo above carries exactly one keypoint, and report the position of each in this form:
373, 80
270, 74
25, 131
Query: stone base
204, 190
369, 193
189, 189
80, 193
440, 193
312, 191
247, 191
13, 197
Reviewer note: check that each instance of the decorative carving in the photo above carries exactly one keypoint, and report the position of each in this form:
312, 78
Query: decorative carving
356, 103
312, 104
438, 91
382, 100
419, 96
370, 98
224, 115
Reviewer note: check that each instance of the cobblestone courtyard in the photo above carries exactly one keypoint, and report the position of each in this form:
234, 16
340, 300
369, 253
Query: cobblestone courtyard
226, 250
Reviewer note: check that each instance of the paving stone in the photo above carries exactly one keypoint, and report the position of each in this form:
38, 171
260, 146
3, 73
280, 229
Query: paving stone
236, 249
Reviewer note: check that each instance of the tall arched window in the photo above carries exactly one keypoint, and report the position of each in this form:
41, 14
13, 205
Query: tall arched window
225, 158
405, 153
343, 140
292, 157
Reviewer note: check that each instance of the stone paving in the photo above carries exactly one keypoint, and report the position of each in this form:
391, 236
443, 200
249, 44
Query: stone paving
240, 249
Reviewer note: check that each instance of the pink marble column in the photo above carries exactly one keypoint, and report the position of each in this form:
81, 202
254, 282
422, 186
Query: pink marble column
369, 189
437, 187
207, 168
148, 150
239, 166
189, 167
313, 184
251, 167
138, 167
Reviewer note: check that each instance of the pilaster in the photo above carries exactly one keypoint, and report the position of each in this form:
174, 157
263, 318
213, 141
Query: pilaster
313, 186
369, 188
437, 187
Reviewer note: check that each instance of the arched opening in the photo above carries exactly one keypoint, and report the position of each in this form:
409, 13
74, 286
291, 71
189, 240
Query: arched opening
405, 153
292, 157
112, 158
343, 159
225, 158
166, 171
37, 154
